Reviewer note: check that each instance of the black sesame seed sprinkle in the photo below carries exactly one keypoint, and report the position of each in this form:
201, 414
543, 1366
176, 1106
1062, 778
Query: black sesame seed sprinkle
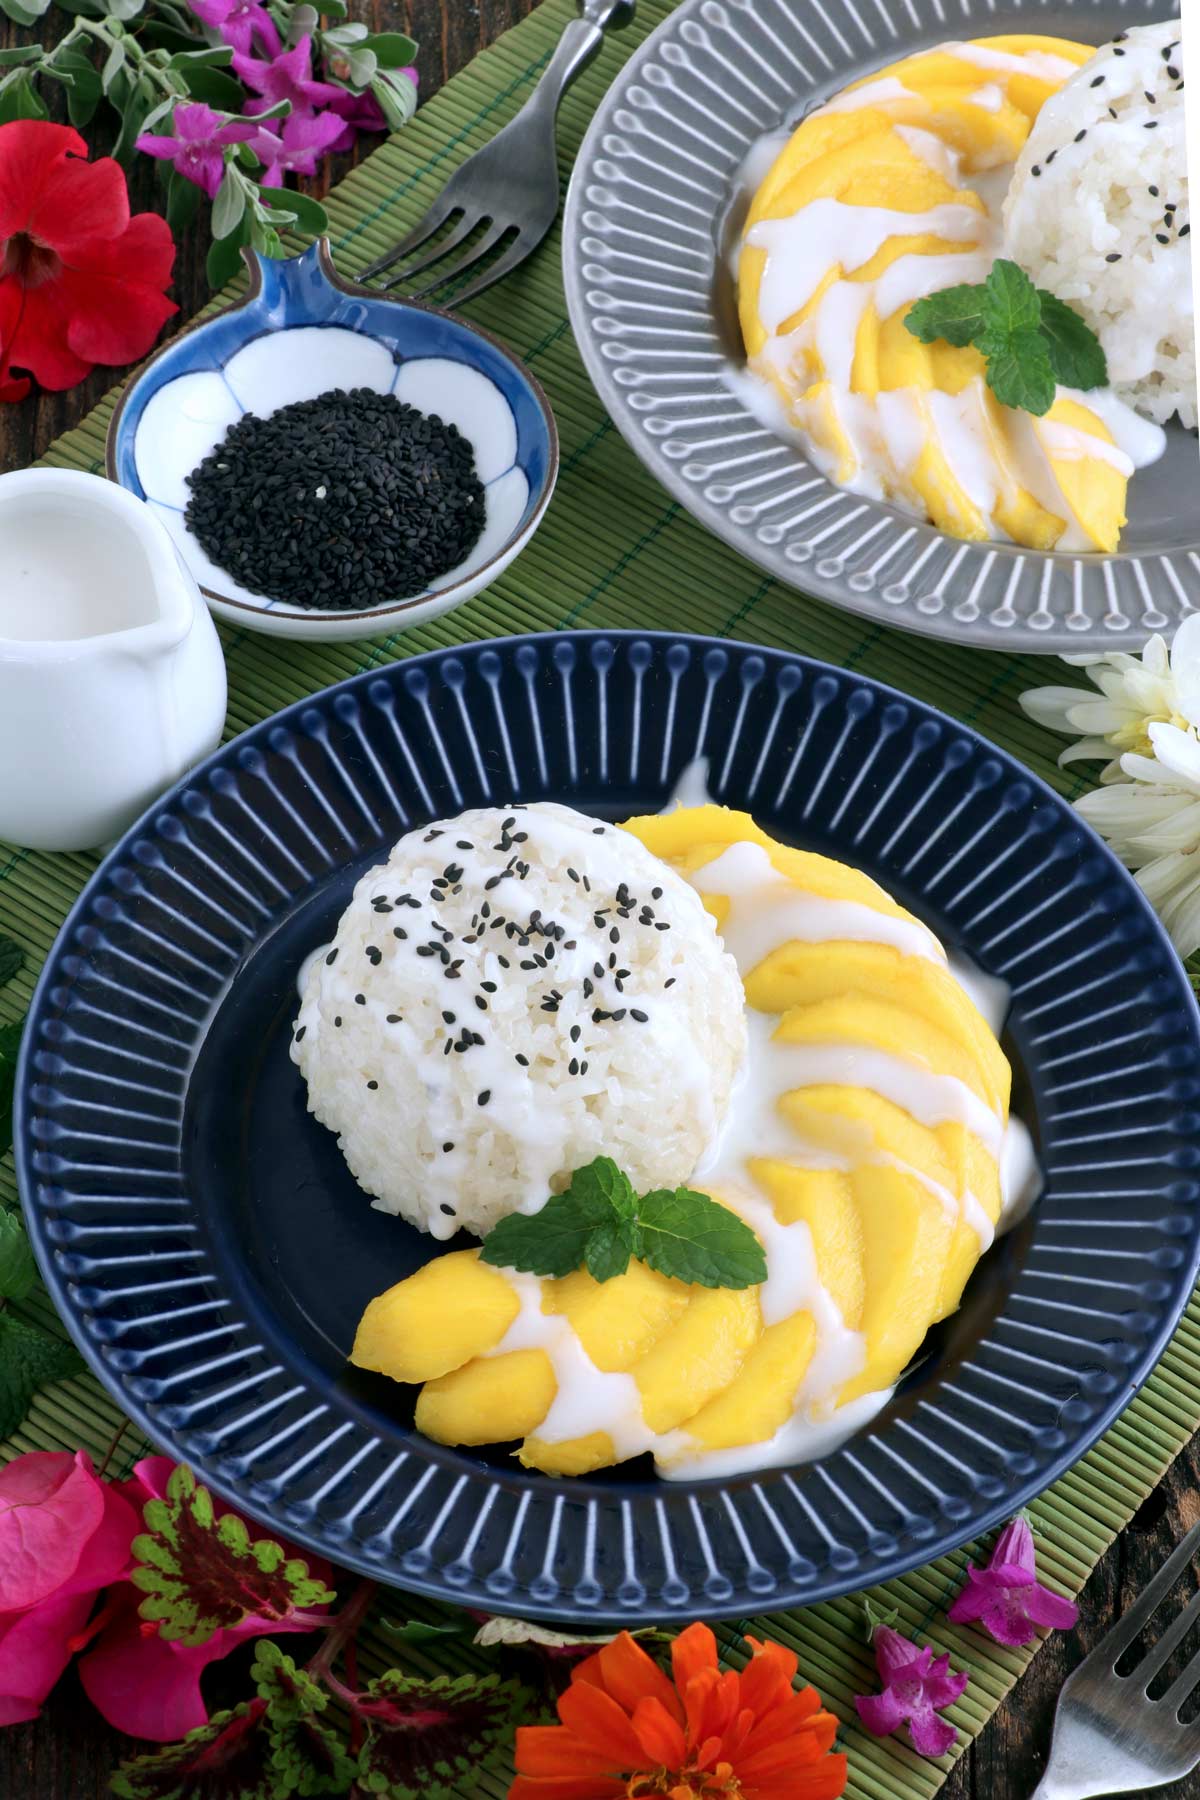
342, 502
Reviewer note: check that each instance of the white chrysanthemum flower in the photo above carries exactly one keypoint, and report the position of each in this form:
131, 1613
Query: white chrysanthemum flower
1150, 817
1160, 687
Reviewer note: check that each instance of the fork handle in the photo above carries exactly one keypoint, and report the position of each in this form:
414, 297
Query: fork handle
580, 40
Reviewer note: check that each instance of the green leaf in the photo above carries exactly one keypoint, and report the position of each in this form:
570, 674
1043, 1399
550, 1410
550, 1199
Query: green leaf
426, 1739
29, 1358
691, 1237
953, 316
20, 53
228, 1756
310, 216
397, 97
213, 86
123, 9
114, 62
875, 1616
1019, 371
75, 70
216, 56
18, 1270
183, 199
201, 1573
609, 1248
343, 35
229, 204
307, 1757
19, 99
12, 959
10, 1043
225, 256
391, 48
1076, 353
303, 23
25, 12
363, 67
551, 1242
1010, 300
417, 1631
142, 97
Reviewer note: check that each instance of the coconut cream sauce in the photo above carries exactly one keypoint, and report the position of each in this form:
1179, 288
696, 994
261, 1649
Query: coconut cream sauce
767, 911
888, 432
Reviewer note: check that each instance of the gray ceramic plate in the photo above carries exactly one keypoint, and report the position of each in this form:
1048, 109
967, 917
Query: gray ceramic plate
652, 305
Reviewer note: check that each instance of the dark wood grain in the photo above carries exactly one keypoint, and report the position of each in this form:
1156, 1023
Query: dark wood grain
69, 1752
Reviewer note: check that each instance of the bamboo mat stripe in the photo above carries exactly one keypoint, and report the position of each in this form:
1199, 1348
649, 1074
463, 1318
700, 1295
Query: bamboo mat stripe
615, 551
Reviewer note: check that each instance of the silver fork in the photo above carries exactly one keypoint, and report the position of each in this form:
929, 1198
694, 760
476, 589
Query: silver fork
511, 184
1109, 1736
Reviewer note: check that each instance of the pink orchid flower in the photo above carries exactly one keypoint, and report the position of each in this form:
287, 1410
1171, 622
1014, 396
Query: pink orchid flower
64, 1535
915, 1689
241, 23
1007, 1598
197, 148
297, 148
287, 77
142, 1683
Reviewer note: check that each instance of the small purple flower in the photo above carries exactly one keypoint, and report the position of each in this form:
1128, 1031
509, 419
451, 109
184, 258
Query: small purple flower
357, 112
287, 77
197, 148
298, 146
1007, 1598
915, 1689
241, 23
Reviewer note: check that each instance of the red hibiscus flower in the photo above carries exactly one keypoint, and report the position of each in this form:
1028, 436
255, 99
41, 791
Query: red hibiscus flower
630, 1733
81, 282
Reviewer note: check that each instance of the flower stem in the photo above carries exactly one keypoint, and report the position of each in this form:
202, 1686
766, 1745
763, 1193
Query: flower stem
341, 1632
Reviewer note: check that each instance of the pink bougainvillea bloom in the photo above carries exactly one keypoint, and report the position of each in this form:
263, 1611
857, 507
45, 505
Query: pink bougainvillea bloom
287, 77
64, 1535
298, 147
242, 23
915, 1689
145, 1684
197, 148
1007, 1598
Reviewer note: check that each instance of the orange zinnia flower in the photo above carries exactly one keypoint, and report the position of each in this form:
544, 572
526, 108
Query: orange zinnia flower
627, 1731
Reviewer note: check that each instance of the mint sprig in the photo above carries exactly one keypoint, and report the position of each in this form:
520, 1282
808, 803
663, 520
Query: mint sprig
1030, 339
600, 1223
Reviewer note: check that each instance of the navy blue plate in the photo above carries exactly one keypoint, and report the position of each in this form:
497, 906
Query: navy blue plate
211, 1253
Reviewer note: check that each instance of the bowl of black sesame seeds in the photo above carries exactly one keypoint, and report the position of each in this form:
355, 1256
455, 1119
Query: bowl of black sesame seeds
333, 463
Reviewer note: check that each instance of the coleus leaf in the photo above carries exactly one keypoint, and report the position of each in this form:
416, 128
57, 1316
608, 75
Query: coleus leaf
425, 1738
230, 1755
201, 1574
29, 1359
307, 1757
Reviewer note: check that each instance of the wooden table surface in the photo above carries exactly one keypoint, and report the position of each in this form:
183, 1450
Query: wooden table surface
69, 1752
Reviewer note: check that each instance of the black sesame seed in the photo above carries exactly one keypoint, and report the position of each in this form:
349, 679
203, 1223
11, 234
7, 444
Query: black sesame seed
484, 1097
463, 844
1172, 71
1037, 169
583, 1067
597, 831
573, 1066
1113, 256
360, 999
301, 1032
1160, 237
331, 958
575, 1034
1153, 193
398, 931
374, 955
372, 1085
445, 1205
1098, 82
446, 1149
1184, 230
641, 1017
1080, 135
394, 1018
670, 983
1150, 125
614, 936
338, 1020
523, 1060
481, 1003
448, 1018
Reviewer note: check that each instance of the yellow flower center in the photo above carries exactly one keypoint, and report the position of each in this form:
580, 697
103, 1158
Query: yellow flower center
720, 1783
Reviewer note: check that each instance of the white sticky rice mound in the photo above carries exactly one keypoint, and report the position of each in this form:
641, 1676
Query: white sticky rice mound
1073, 204
650, 1093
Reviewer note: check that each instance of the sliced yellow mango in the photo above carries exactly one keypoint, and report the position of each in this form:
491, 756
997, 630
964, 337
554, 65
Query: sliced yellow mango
1092, 487
490, 1400
618, 1321
906, 1236
453, 1309
573, 1456
699, 1356
824, 1200
761, 1397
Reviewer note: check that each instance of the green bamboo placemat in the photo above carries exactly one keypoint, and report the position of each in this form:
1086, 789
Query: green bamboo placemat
615, 551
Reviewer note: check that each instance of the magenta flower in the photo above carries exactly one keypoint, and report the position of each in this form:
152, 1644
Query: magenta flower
197, 146
915, 1689
356, 112
242, 23
1007, 1598
302, 141
287, 77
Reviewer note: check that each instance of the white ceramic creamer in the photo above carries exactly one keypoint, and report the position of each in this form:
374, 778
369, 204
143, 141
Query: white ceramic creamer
112, 681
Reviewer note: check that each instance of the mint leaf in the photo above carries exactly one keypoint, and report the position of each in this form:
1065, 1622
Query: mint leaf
552, 1242
955, 315
602, 1179
1076, 353
12, 959
609, 1249
1010, 301
201, 1573
690, 1237
1019, 371
29, 1359
18, 1271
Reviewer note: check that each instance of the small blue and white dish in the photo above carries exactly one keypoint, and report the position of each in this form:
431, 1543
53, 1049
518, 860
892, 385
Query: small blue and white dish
300, 330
